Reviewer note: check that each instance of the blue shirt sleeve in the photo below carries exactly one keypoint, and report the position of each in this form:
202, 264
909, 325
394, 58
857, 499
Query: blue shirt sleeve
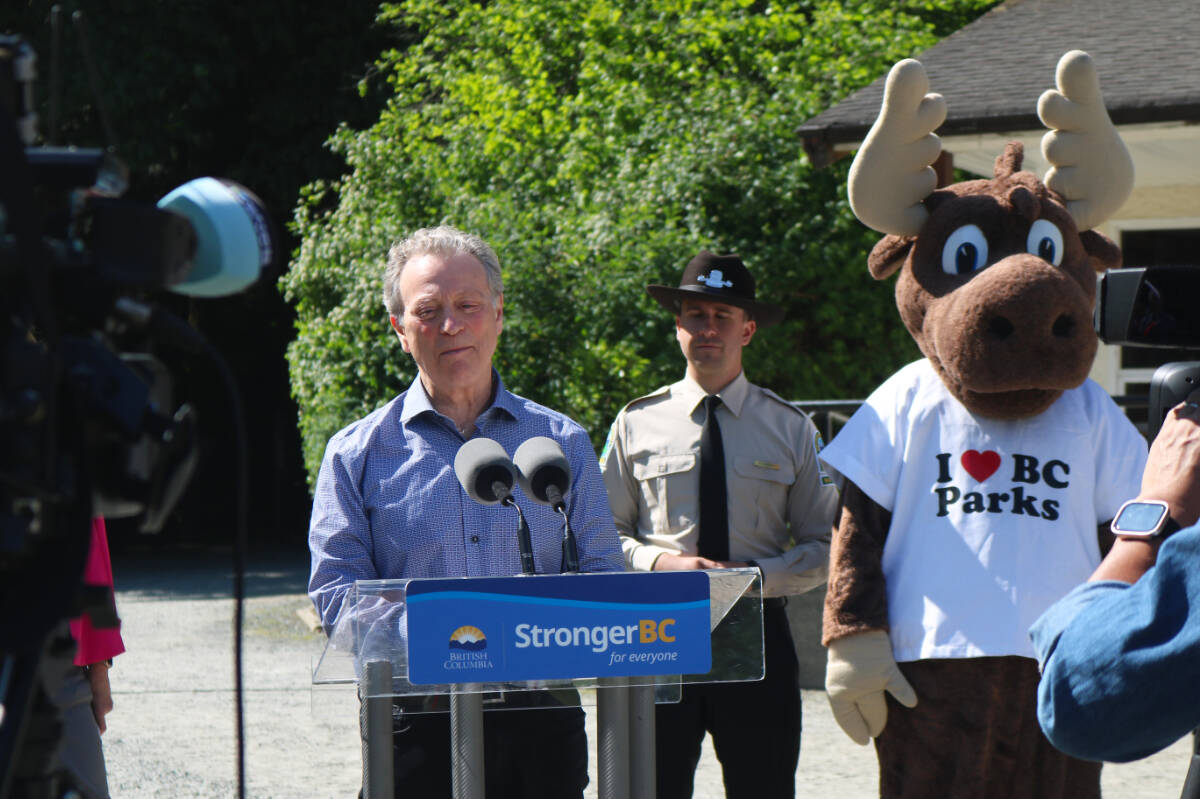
1119, 662
591, 518
339, 535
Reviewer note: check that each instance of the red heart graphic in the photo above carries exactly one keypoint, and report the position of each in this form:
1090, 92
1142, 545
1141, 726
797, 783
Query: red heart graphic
981, 465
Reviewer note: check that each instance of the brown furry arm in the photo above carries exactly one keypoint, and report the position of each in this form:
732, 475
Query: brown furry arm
856, 597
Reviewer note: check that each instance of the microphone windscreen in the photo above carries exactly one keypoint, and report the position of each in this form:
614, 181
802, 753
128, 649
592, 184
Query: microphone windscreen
541, 464
481, 463
235, 240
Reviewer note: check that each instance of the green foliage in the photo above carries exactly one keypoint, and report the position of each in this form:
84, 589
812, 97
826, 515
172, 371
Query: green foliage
598, 145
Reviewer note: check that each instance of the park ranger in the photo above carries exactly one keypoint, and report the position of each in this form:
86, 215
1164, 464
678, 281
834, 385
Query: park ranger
712, 472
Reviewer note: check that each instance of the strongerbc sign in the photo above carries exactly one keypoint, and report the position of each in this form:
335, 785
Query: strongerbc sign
512, 629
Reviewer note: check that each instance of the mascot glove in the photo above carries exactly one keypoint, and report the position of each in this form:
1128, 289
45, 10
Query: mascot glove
859, 670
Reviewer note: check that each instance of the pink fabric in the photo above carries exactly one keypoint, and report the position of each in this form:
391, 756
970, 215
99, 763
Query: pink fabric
96, 645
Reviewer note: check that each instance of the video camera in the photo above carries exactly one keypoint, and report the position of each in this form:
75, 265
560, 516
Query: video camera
88, 420
1154, 306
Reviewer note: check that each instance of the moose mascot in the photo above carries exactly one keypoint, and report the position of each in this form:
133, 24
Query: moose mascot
980, 480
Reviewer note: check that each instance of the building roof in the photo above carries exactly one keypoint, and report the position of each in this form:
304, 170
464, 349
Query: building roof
992, 71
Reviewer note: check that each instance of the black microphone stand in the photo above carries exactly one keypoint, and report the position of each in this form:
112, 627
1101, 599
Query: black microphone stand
570, 549
524, 542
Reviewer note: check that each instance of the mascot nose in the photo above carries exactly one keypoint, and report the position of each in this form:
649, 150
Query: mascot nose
1064, 326
1023, 299
1000, 327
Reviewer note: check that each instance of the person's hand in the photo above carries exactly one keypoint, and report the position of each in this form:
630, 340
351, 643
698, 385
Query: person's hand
668, 562
1172, 474
1173, 465
102, 701
860, 669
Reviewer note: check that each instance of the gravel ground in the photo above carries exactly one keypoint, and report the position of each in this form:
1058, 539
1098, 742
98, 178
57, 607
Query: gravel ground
171, 733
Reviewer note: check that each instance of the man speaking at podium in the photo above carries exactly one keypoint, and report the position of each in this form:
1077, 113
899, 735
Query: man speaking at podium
389, 505
712, 472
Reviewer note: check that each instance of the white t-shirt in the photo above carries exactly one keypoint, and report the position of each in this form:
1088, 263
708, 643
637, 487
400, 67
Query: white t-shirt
992, 521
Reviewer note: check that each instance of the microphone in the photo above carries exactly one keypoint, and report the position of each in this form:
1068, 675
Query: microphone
488, 475
545, 475
485, 471
543, 470
235, 240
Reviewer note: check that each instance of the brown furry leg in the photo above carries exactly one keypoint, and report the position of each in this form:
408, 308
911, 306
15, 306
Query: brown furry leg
974, 733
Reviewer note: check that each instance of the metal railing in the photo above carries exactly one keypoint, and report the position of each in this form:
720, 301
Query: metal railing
830, 414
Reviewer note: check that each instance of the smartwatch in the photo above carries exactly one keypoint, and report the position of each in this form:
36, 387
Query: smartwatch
1144, 518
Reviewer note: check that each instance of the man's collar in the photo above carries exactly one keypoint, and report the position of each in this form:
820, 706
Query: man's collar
733, 396
503, 398
417, 402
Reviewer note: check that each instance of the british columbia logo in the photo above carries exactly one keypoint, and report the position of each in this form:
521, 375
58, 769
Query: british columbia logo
468, 649
469, 638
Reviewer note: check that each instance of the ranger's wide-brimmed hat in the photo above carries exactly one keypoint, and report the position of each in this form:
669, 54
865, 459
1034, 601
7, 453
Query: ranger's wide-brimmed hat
719, 278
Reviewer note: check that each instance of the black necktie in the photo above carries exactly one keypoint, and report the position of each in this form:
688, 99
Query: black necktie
714, 523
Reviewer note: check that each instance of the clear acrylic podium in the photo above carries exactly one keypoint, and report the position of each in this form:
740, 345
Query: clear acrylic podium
627, 639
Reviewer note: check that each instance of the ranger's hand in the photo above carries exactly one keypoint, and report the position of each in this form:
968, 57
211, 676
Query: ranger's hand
668, 562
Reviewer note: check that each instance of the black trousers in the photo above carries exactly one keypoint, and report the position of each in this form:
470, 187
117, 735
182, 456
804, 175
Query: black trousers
527, 753
755, 726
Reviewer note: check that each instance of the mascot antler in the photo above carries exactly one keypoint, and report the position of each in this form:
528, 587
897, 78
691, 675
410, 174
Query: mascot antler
1091, 168
892, 173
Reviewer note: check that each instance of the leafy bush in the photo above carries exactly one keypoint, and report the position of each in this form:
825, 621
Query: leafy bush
598, 145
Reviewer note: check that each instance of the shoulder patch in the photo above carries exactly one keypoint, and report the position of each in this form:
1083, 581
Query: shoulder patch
612, 431
818, 445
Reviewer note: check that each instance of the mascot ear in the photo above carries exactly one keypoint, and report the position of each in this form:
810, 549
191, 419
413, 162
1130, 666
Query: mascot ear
1102, 252
888, 255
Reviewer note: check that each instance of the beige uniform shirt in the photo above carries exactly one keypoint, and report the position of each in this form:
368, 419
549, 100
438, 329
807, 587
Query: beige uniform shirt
781, 504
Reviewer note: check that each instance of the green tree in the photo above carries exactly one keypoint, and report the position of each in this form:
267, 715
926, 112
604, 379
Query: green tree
598, 145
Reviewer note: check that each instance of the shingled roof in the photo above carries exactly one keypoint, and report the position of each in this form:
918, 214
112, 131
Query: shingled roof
992, 71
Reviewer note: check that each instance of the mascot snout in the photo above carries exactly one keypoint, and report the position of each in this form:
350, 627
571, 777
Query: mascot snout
1020, 330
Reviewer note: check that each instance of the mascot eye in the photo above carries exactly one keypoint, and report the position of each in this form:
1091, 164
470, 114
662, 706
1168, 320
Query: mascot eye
965, 251
1045, 241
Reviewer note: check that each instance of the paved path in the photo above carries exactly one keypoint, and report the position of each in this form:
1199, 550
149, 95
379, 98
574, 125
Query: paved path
171, 734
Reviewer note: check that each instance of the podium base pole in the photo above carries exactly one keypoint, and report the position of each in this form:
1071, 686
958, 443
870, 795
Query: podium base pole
375, 725
642, 773
466, 744
612, 744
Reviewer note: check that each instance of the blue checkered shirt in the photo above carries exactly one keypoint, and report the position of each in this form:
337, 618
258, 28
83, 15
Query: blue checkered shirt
388, 503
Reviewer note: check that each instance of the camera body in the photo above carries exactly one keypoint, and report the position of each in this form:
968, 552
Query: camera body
1154, 306
87, 412
88, 420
